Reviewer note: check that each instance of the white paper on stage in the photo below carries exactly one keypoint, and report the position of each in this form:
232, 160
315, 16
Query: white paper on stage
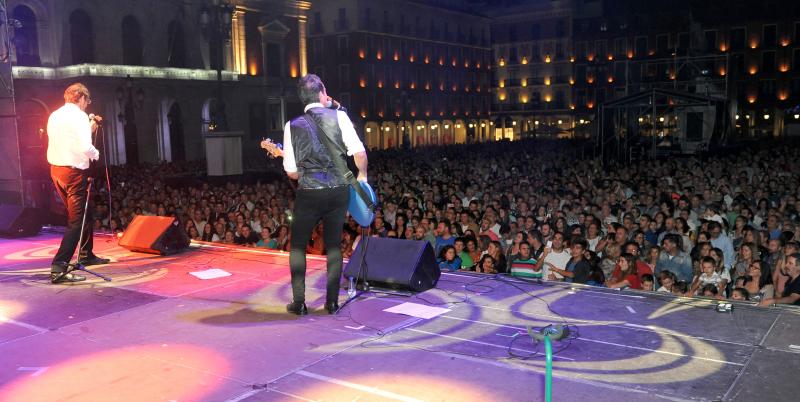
418, 310
211, 273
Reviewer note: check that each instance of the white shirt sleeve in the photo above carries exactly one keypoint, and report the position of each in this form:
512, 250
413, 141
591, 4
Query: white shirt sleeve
349, 136
289, 164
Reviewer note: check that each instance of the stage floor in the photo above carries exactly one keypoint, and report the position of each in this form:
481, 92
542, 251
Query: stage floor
157, 333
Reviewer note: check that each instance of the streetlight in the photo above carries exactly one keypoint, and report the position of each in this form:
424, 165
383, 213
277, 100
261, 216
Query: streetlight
215, 25
129, 102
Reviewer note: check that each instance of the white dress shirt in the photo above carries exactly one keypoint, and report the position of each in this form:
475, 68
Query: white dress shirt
70, 138
351, 140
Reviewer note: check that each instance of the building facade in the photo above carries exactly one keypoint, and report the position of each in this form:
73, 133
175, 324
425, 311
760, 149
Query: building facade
409, 72
152, 67
534, 73
747, 52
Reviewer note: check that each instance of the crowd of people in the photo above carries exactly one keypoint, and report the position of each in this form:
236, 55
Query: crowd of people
722, 226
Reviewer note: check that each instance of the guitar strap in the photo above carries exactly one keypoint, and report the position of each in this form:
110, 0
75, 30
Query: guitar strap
339, 162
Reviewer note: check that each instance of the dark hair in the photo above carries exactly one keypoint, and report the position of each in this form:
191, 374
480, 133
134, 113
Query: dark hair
709, 288
308, 89
681, 286
745, 294
580, 241
443, 252
647, 278
710, 260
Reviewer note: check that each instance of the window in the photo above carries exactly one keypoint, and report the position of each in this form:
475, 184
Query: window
738, 38
176, 45
273, 59
342, 45
275, 114
797, 32
683, 43
796, 56
770, 36
641, 46
768, 62
600, 45
132, 49
766, 88
662, 44
512, 55
81, 37
317, 48
580, 49
257, 119
341, 22
317, 26
561, 29
621, 47
536, 31
512, 34
711, 41
344, 76
26, 42
559, 51
535, 54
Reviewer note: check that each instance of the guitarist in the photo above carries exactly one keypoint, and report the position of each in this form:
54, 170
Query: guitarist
323, 192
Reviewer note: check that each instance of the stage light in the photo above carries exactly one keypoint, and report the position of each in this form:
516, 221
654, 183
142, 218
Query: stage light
737, 117
661, 119
766, 116
796, 116
641, 119
369, 129
513, 123
446, 126
386, 129
560, 121
581, 121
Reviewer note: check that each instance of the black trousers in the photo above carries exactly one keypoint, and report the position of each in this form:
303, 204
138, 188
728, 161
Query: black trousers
71, 185
329, 204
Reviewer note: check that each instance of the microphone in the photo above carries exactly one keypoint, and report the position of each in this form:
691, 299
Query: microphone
335, 105
96, 119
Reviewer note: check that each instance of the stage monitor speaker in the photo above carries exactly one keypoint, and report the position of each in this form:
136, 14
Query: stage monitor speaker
17, 221
154, 235
396, 263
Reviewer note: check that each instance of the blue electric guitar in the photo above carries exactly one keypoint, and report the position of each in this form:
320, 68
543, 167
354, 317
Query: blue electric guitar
362, 203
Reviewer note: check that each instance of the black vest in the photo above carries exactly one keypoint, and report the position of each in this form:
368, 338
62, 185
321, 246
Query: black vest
313, 159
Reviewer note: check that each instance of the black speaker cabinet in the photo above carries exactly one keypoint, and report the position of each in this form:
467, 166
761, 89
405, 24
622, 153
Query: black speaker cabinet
17, 221
395, 263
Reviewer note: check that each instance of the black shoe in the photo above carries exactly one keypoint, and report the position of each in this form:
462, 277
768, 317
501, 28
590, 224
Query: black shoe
298, 308
93, 260
62, 277
332, 307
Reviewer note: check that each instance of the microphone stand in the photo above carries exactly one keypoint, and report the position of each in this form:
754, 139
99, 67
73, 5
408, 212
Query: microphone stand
77, 266
352, 291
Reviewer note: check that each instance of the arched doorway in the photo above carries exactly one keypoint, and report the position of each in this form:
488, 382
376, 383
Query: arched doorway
32, 117
176, 45
176, 140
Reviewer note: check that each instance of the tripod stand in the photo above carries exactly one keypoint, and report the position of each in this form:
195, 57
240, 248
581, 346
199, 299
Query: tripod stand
352, 292
77, 266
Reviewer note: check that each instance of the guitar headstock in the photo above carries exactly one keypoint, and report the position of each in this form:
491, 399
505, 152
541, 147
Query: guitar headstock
275, 150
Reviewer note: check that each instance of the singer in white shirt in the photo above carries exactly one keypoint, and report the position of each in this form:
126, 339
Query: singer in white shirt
69, 152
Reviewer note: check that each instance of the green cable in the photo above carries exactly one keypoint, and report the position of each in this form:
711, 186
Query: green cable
548, 371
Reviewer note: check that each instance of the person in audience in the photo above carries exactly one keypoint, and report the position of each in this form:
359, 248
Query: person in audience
449, 259
648, 282
625, 274
667, 280
577, 269
524, 265
460, 247
486, 265
556, 258
740, 294
673, 259
791, 292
